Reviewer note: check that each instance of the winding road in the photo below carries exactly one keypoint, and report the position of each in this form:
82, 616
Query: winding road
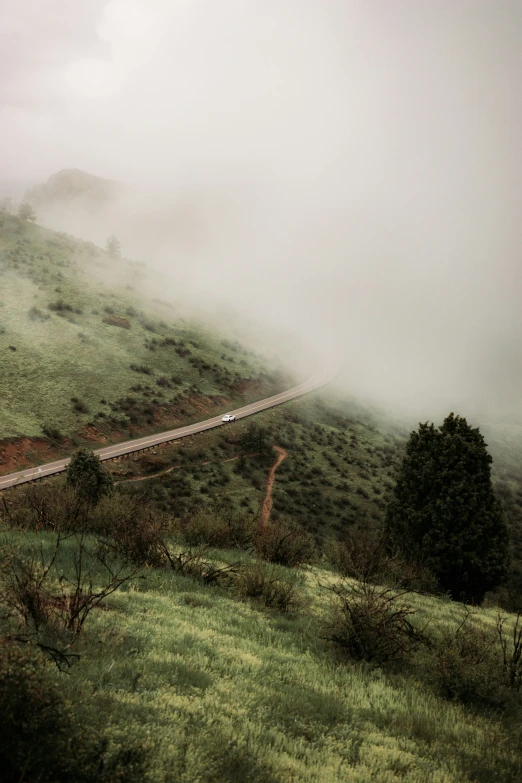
320, 378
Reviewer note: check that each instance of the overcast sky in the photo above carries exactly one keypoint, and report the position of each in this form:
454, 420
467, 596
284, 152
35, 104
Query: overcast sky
353, 168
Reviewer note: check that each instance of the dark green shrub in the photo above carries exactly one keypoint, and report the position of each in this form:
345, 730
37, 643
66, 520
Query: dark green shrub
89, 477
35, 314
62, 307
79, 405
142, 368
196, 564
52, 433
152, 463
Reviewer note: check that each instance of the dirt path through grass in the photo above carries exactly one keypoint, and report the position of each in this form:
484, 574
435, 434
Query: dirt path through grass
267, 502
173, 467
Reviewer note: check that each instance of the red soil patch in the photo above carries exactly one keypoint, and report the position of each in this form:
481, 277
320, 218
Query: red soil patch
19, 453
196, 403
267, 502
93, 434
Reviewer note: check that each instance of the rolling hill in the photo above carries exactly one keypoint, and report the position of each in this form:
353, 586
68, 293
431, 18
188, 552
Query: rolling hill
87, 356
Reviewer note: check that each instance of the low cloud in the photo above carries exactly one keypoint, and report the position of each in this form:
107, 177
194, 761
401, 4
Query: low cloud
346, 173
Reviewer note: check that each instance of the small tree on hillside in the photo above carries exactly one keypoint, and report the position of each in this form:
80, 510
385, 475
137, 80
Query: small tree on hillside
89, 477
26, 212
444, 513
113, 245
255, 440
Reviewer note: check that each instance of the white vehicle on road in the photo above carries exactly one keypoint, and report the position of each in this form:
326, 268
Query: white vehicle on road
228, 417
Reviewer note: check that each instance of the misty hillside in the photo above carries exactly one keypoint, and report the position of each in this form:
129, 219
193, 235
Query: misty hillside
87, 354
77, 202
97, 362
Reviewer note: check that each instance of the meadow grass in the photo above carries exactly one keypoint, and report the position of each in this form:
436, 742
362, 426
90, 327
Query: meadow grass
224, 691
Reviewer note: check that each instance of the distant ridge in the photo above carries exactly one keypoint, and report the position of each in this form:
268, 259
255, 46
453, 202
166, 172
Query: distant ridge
73, 185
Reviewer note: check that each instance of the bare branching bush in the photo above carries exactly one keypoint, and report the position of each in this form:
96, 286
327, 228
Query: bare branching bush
41, 604
362, 555
129, 526
132, 529
468, 666
284, 543
270, 586
196, 565
511, 646
367, 622
42, 507
365, 555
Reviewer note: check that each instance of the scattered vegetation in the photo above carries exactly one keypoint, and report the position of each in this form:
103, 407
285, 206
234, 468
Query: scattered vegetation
62, 307
142, 368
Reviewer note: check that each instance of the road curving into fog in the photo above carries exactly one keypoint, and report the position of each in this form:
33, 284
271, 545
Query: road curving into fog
320, 378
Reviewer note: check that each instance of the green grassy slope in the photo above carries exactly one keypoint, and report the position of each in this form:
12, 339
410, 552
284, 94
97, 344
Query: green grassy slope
65, 365
222, 690
338, 472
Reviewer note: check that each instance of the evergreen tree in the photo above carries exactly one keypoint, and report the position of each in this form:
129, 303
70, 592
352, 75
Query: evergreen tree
444, 513
89, 477
113, 245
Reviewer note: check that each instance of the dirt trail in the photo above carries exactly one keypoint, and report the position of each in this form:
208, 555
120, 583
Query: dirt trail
169, 470
267, 502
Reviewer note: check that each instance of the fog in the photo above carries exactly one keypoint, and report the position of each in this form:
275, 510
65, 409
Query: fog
343, 174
